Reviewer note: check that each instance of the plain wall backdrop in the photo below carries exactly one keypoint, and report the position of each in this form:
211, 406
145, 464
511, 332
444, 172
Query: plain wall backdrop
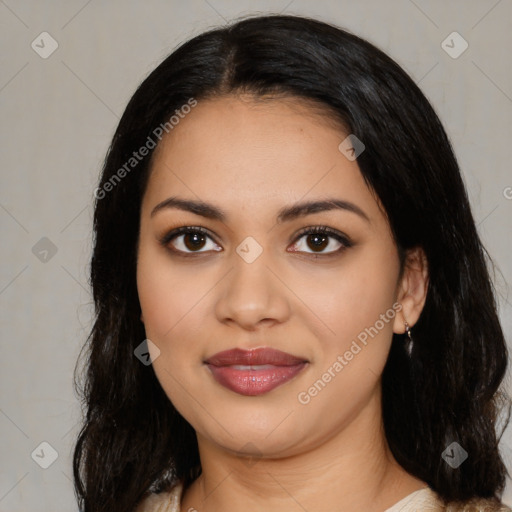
67, 71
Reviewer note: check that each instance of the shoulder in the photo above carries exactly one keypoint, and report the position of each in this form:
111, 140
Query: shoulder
162, 502
478, 505
427, 500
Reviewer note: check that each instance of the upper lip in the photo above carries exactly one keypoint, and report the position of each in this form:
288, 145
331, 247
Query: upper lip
257, 356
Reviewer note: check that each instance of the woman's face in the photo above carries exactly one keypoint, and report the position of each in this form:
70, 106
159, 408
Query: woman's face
256, 279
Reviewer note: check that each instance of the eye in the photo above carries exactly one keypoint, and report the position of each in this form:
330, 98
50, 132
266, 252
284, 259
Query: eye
319, 238
188, 240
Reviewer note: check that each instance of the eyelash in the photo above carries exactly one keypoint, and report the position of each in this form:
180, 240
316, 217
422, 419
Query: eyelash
321, 230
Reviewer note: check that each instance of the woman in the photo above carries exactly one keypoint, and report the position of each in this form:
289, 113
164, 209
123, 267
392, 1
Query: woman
293, 309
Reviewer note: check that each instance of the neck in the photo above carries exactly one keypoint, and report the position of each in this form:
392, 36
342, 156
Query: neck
353, 467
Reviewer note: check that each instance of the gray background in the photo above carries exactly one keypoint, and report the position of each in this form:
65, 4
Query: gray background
58, 116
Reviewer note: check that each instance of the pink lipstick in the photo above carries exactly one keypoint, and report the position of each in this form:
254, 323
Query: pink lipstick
254, 372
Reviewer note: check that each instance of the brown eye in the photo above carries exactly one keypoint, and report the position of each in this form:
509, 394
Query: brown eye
317, 242
193, 241
321, 240
188, 240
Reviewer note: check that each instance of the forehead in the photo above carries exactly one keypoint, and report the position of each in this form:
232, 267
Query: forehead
256, 154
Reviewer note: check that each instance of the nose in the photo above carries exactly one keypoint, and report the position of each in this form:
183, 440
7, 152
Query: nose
252, 296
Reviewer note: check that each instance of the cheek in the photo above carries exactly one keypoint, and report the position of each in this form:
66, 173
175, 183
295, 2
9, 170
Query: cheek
168, 297
171, 306
349, 363
175, 306
354, 298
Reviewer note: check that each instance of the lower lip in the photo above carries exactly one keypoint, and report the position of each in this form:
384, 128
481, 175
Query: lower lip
254, 382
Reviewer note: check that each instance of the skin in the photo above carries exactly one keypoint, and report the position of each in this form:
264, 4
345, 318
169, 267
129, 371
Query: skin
252, 158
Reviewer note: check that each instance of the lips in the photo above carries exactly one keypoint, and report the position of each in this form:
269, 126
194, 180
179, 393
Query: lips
254, 372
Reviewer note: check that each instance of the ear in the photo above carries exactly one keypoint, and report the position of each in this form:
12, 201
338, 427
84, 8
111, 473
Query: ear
412, 289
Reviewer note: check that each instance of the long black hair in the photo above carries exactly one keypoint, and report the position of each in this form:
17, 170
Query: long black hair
133, 440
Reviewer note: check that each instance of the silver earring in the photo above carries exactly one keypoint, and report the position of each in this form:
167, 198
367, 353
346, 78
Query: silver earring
409, 342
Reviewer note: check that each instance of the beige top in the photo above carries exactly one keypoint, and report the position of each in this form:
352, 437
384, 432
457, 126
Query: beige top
423, 500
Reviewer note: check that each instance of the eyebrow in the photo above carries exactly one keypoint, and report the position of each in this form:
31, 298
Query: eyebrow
285, 214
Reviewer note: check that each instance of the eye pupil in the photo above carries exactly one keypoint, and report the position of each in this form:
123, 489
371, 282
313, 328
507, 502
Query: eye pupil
319, 241
198, 240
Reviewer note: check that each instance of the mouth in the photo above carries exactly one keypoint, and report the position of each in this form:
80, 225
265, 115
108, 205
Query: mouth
254, 372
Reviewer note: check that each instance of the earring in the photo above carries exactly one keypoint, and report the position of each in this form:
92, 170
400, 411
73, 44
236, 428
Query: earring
409, 342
